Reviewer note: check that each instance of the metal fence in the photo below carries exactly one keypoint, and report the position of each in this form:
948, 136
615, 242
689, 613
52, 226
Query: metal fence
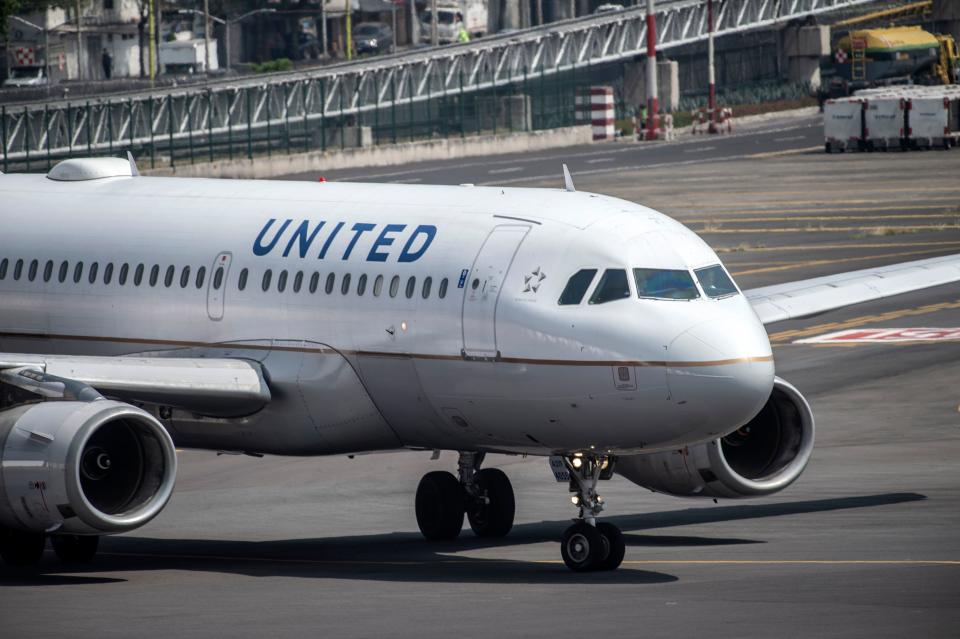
181, 132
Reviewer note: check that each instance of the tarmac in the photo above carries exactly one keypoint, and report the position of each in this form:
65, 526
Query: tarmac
864, 544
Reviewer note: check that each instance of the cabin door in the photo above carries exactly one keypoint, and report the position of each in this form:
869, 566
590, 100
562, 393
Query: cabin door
482, 290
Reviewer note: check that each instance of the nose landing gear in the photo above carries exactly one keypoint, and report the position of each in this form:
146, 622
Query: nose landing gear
485, 496
589, 545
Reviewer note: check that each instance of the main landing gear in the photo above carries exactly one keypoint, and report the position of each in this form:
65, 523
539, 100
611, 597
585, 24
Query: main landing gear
485, 496
21, 549
590, 545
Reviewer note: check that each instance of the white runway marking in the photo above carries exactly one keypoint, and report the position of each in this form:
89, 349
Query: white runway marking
789, 139
512, 169
407, 181
885, 335
700, 149
596, 160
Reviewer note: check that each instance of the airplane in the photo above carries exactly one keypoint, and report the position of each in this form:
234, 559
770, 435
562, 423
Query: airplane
142, 314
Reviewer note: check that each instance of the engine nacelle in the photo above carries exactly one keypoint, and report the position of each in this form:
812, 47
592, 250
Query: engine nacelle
761, 457
79, 467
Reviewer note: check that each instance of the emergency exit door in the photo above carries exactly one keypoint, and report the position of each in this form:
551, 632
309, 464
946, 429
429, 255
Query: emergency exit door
483, 288
217, 286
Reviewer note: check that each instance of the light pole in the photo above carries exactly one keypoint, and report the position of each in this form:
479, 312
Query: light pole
434, 34
206, 36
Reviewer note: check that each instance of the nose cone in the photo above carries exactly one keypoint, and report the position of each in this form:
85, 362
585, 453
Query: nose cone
720, 372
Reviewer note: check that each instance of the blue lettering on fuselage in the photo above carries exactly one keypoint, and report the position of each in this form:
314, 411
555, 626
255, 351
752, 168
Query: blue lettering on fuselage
375, 242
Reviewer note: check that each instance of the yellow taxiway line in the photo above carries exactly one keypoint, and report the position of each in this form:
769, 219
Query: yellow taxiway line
857, 322
839, 260
821, 218
833, 229
829, 247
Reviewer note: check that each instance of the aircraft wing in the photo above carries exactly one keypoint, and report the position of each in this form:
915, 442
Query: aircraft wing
809, 297
214, 387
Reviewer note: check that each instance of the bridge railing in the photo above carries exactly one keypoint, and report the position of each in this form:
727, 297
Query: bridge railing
247, 116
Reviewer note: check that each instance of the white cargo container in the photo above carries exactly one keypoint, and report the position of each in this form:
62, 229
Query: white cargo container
933, 121
843, 124
884, 122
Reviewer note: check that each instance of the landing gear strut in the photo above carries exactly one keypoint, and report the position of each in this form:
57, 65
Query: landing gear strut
590, 545
485, 496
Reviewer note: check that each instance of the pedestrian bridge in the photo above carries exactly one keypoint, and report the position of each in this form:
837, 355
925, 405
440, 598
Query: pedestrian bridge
243, 109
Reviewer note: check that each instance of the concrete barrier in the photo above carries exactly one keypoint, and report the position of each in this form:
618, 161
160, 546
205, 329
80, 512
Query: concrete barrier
383, 155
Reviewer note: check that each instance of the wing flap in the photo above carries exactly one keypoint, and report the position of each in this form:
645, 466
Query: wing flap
803, 298
215, 387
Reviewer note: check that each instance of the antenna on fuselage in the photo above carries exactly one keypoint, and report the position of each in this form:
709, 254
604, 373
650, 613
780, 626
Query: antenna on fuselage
133, 165
567, 180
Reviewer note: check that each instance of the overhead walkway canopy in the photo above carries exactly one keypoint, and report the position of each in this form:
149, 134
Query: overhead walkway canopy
221, 108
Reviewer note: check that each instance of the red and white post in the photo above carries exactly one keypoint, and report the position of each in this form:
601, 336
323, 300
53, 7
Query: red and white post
711, 90
652, 105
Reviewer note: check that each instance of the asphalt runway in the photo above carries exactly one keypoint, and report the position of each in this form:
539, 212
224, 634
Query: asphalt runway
865, 544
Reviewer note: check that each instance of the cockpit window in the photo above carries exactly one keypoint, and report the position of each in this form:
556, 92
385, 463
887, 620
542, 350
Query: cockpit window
715, 281
665, 284
613, 286
577, 286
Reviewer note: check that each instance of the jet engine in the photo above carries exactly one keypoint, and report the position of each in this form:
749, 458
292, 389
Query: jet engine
762, 457
83, 467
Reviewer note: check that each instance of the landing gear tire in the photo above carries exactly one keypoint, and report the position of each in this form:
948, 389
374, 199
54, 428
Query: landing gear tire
75, 549
614, 547
20, 549
440, 506
581, 547
491, 512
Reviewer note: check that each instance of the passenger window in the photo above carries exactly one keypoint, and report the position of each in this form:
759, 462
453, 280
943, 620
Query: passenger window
168, 277
577, 287
297, 281
107, 272
32, 273
378, 286
48, 271
218, 278
442, 292
665, 284
124, 271
394, 285
715, 281
330, 282
613, 286
78, 273
411, 287
426, 287
314, 282
345, 284
265, 284
185, 277
18, 269
242, 281
361, 284
3, 268
94, 269
138, 275
282, 282
201, 275
154, 274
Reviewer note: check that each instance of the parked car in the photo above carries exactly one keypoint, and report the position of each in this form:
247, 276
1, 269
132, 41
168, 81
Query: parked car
372, 37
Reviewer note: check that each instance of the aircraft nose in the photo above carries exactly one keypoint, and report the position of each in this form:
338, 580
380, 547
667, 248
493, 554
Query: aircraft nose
721, 372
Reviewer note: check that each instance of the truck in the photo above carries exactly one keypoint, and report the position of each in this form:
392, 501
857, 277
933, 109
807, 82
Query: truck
475, 18
186, 56
26, 64
865, 58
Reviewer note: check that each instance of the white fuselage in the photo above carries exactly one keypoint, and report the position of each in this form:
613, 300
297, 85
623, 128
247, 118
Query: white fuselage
493, 364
